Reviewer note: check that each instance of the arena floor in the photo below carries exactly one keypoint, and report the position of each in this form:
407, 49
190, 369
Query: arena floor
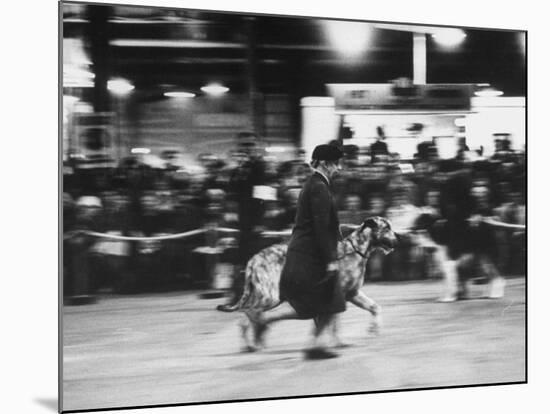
176, 348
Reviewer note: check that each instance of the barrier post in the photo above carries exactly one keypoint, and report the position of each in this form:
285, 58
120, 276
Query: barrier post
212, 259
80, 272
211, 262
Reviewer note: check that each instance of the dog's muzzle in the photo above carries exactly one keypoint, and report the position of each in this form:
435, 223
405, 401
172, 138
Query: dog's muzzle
387, 245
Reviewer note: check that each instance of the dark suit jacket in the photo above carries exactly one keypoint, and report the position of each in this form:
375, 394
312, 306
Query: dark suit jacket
316, 231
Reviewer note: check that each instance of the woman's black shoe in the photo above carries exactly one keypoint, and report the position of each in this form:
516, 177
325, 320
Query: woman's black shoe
319, 353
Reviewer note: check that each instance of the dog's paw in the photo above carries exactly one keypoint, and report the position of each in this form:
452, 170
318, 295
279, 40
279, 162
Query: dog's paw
250, 348
259, 335
496, 288
446, 299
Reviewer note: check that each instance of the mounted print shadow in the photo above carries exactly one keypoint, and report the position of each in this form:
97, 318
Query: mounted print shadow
260, 207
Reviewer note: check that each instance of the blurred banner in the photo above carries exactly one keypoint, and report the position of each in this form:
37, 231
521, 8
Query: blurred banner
401, 95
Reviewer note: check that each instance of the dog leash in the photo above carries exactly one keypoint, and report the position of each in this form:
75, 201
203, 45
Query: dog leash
363, 255
355, 249
329, 276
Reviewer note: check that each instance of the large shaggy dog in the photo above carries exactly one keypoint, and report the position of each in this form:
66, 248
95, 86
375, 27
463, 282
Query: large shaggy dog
263, 271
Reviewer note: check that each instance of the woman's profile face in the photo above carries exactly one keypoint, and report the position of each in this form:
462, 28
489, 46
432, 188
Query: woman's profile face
333, 167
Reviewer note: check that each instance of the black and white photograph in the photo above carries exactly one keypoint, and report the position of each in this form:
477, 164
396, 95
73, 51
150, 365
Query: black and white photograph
262, 206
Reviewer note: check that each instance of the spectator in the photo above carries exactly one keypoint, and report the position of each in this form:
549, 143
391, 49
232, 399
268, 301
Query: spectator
511, 242
248, 174
352, 213
289, 202
426, 151
68, 212
379, 148
79, 283
111, 256
462, 150
403, 263
375, 264
68, 224
503, 147
400, 185
431, 205
189, 214
154, 221
483, 238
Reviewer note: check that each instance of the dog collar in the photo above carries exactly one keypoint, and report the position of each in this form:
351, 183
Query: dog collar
363, 255
355, 249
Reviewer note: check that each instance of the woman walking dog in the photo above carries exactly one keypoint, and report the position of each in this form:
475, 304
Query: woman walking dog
309, 280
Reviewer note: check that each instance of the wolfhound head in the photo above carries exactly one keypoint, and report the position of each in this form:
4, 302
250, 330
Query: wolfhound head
376, 233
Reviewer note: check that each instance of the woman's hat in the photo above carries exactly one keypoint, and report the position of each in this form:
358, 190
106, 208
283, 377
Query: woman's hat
327, 152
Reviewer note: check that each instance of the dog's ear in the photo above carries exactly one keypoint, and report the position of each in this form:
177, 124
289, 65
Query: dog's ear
371, 223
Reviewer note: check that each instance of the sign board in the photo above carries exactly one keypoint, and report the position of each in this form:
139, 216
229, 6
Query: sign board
93, 145
405, 96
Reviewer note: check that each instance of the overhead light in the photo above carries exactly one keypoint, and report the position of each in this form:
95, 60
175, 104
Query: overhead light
176, 94
140, 151
214, 89
202, 44
349, 38
120, 86
449, 37
488, 93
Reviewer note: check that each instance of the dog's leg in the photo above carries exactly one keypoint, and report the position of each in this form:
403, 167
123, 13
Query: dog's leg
450, 283
263, 318
335, 333
496, 284
463, 268
245, 325
450, 275
258, 329
364, 302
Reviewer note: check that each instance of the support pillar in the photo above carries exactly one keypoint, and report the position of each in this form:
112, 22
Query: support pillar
98, 37
419, 58
255, 97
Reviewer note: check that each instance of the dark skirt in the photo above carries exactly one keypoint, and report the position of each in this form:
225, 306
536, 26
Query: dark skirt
305, 286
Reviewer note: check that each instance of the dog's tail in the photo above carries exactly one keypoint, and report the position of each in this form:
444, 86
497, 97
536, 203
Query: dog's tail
243, 301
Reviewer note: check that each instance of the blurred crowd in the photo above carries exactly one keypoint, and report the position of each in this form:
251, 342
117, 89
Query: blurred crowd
255, 194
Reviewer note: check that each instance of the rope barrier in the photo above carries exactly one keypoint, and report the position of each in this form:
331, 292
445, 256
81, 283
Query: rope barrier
288, 232
134, 238
502, 224
226, 230
281, 233
70, 234
277, 233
